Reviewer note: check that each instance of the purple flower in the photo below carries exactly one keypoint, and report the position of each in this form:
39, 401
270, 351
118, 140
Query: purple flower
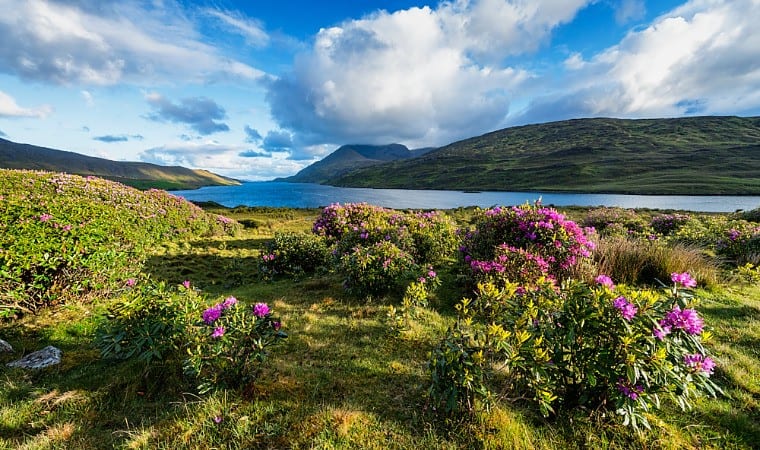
45, 217
276, 325
605, 281
229, 302
211, 314
661, 332
218, 332
684, 279
687, 320
432, 274
217, 419
186, 284
628, 390
627, 310
260, 309
699, 363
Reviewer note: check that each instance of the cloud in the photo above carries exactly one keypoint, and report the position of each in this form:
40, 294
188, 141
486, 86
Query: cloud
85, 128
629, 10
200, 113
701, 58
421, 76
87, 96
9, 108
222, 159
251, 30
105, 43
109, 138
278, 141
252, 135
3, 134
255, 154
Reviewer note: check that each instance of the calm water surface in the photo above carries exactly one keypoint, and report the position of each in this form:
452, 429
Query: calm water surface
303, 195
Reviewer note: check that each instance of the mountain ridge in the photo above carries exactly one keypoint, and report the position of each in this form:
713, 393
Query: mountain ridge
691, 156
142, 175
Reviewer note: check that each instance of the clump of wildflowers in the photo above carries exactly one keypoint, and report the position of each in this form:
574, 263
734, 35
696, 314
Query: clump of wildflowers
699, 363
684, 279
605, 281
627, 310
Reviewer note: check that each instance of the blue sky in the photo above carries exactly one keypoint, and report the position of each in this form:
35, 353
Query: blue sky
260, 89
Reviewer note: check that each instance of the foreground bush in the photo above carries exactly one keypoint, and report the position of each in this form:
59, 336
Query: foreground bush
222, 346
64, 235
597, 347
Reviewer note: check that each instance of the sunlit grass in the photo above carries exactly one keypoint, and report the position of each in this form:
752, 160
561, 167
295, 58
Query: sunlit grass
340, 380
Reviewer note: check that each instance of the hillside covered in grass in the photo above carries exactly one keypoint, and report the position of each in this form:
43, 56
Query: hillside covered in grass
691, 156
137, 174
347, 327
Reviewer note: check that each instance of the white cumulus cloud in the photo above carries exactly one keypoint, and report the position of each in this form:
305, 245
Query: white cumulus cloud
9, 108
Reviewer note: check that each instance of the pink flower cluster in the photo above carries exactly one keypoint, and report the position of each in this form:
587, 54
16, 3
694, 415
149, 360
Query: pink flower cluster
684, 279
687, 320
627, 309
260, 309
605, 281
213, 313
699, 364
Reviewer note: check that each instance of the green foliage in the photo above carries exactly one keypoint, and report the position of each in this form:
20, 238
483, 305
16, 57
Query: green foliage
736, 240
416, 296
614, 221
149, 323
228, 344
294, 254
377, 269
666, 224
64, 235
592, 347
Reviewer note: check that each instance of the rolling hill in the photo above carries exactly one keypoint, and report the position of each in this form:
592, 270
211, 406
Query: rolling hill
351, 157
136, 174
694, 155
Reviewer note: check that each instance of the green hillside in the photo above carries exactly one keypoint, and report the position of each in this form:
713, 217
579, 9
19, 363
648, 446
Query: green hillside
136, 174
695, 155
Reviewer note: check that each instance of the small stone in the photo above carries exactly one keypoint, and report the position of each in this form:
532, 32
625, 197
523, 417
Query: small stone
5, 347
48, 356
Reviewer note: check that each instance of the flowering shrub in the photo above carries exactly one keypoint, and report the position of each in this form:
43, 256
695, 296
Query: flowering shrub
416, 296
601, 346
64, 235
666, 224
293, 254
543, 241
738, 241
229, 343
614, 221
377, 269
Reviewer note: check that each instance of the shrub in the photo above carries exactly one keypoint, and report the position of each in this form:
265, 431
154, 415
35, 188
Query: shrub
64, 235
666, 224
598, 347
377, 269
542, 232
229, 343
614, 221
737, 241
294, 254
148, 323
433, 235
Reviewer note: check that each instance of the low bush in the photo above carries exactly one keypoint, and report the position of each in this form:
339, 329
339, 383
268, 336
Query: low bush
610, 221
596, 347
294, 254
377, 269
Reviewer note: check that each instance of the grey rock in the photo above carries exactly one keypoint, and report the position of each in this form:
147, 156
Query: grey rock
5, 347
48, 356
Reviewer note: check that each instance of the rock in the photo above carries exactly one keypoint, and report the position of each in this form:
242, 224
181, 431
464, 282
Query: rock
5, 347
48, 356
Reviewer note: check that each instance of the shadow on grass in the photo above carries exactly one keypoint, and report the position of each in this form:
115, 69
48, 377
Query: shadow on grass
205, 271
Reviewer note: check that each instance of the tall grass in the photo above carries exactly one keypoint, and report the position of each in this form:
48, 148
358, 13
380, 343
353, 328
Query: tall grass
645, 262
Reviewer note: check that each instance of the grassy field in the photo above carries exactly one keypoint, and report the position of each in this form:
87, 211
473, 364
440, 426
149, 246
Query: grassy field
340, 380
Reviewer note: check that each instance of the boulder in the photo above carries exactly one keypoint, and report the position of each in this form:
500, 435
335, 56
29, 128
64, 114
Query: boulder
48, 356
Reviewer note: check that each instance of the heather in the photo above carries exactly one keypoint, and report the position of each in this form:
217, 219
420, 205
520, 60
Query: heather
203, 342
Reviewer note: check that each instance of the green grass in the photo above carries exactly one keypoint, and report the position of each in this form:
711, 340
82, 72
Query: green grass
341, 380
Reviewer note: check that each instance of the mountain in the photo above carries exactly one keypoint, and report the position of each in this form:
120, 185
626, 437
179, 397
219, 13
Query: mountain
351, 157
694, 155
137, 174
